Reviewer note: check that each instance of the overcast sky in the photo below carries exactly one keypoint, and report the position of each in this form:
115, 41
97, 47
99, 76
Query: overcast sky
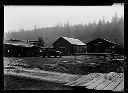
25, 17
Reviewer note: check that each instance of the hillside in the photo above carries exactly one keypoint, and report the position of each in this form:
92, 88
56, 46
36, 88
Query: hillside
113, 31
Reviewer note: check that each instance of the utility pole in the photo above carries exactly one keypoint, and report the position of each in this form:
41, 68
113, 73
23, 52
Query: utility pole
35, 27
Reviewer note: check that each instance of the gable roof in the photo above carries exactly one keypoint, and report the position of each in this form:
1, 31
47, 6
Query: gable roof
74, 41
105, 40
109, 41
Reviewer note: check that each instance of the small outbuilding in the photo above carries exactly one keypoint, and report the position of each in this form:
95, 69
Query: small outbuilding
19, 50
69, 46
99, 45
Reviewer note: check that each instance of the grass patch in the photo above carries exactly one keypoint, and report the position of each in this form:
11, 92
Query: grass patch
66, 64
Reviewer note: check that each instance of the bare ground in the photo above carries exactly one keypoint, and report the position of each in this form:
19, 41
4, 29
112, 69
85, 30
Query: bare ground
22, 83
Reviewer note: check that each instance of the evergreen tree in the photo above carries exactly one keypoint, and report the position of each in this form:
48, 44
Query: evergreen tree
40, 42
98, 31
113, 31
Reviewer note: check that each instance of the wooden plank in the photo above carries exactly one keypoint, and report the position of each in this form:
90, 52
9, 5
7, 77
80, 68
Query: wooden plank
113, 84
79, 79
93, 85
71, 78
120, 87
98, 82
83, 81
107, 82
82, 78
102, 54
94, 80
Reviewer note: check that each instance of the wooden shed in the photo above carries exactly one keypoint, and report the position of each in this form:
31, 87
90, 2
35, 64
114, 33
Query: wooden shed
19, 50
69, 46
99, 45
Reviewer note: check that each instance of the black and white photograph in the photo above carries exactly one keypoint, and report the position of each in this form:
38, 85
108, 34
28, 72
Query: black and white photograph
48, 47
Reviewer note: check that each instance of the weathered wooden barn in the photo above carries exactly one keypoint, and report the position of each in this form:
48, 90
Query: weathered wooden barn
19, 49
103, 46
69, 46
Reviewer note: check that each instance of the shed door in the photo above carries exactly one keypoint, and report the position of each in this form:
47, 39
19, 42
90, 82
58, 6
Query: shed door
63, 50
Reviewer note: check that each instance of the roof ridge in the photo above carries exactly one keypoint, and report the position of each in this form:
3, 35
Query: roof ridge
74, 41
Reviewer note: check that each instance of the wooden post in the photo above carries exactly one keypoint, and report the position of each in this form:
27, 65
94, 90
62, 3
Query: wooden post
75, 57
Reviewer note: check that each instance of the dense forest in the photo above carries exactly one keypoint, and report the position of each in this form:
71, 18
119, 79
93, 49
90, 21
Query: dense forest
112, 30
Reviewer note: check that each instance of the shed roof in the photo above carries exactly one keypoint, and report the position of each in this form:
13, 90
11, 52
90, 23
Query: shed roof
20, 44
97, 39
74, 41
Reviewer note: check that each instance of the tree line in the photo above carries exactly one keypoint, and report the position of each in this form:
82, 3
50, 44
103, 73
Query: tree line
111, 30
